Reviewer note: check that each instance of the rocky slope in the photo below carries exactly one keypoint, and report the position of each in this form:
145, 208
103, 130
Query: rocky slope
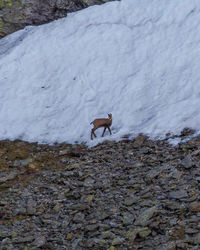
15, 15
135, 194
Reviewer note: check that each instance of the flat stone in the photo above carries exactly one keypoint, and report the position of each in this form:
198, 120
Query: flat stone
22, 163
103, 215
31, 207
92, 227
143, 219
131, 235
169, 246
131, 200
117, 241
100, 241
140, 140
197, 239
191, 231
198, 178
88, 182
23, 239
80, 207
108, 235
8, 177
178, 194
128, 219
195, 206
144, 232
187, 162
78, 217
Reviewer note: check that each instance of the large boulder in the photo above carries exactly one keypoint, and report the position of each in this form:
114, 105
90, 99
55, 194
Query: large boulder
15, 15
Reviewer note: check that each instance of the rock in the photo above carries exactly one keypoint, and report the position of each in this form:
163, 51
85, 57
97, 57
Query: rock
5, 243
88, 182
195, 207
103, 227
144, 217
64, 152
21, 209
108, 235
92, 227
79, 217
129, 201
117, 241
154, 173
25, 239
7, 177
26, 193
39, 241
172, 205
144, 232
75, 243
187, 132
178, 194
128, 219
22, 163
187, 162
197, 239
131, 235
100, 241
31, 207
15, 15
80, 207
102, 215
169, 246
182, 245
191, 231
139, 141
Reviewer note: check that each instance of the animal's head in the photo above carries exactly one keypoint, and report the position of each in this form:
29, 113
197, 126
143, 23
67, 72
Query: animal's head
110, 116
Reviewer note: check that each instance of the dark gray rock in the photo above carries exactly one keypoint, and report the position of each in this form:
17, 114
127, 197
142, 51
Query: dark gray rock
15, 15
178, 194
145, 216
39, 241
7, 176
187, 162
31, 206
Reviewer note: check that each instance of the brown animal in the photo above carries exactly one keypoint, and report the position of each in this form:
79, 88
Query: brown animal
102, 122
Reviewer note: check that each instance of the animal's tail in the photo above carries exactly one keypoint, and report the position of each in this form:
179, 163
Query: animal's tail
91, 122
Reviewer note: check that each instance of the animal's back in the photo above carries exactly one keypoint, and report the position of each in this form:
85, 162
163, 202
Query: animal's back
97, 120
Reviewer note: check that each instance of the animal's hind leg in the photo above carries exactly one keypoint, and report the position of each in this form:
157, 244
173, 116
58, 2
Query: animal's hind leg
104, 131
92, 133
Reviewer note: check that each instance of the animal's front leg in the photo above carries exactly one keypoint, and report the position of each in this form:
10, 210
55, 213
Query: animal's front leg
104, 131
110, 130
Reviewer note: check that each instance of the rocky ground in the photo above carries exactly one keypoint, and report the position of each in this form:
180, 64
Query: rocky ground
15, 15
132, 194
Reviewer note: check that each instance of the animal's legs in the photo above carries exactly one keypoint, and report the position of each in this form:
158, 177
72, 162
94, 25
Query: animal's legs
92, 133
104, 131
110, 130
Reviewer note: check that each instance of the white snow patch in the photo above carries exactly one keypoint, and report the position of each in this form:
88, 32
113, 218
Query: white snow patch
138, 60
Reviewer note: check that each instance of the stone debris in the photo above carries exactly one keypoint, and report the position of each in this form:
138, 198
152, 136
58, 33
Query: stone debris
132, 194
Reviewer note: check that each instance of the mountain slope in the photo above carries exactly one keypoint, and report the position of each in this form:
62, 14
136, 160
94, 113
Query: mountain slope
135, 59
